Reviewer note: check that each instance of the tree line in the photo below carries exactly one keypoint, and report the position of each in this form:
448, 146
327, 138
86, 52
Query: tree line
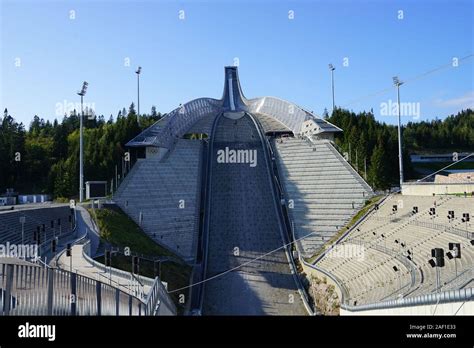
372, 146
45, 157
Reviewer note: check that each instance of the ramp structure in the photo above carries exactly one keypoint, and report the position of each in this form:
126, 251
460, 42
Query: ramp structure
233, 182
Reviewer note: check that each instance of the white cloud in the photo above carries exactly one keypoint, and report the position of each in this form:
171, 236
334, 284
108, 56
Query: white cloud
463, 102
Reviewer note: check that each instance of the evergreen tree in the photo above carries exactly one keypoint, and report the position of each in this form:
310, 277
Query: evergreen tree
131, 109
377, 173
325, 114
153, 112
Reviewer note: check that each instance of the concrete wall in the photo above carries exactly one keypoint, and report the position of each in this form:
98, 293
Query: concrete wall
24, 199
324, 136
455, 178
7, 200
155, 152
440, 309
427, 189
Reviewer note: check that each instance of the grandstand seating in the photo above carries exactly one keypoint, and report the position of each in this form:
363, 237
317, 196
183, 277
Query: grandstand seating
396, 234
11, 228
156, 187
325, 190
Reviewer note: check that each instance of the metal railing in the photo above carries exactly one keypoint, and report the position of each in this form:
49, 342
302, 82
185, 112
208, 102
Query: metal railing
442, 227
29, 289
460, 280
157, 294
344, 291
114, 271
460, 295
158, 302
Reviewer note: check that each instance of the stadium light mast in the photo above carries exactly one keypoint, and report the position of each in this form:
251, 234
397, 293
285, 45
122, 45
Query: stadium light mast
332, 68
82, 93
397, 83
138, 71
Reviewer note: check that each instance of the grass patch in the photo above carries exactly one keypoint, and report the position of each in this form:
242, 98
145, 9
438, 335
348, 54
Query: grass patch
61, 200
118, 229
368, 205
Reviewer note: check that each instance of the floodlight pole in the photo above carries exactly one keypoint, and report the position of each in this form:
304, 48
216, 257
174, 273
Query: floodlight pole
81, 149
138, 71
332, 68
397, 84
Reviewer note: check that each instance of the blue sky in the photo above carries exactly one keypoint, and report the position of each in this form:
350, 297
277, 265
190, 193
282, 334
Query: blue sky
46, 54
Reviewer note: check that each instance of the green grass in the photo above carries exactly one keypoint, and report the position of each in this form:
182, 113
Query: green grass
368, 205
118, 229
61, 200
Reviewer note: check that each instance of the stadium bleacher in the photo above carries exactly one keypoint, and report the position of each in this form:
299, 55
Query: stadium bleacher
402, 234
46, 218
158, 189
325, 190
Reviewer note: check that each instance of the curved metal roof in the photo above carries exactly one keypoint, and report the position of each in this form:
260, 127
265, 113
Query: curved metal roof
286, 116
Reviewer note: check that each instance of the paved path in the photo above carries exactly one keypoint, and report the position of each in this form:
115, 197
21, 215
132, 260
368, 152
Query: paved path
82, 266
85, 224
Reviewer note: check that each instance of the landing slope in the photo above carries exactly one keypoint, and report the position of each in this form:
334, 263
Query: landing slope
244, 226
